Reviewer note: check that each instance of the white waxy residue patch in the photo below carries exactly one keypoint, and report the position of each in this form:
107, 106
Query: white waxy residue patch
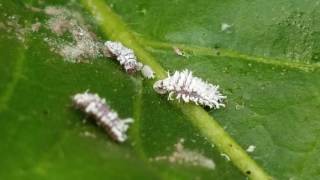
83, 44
35, 27
185, 156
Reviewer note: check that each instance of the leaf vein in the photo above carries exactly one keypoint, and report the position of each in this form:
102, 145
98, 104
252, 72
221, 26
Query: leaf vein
16, 75
199, 50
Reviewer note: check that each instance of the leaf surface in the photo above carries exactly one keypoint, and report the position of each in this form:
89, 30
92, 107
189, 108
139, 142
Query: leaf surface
266, 62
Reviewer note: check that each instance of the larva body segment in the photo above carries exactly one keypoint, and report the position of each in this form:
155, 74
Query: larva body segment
184, 86
124, 55
97, 108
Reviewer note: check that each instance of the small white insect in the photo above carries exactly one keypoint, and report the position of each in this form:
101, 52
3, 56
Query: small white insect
184, 86
147, 72
251, 148
226, 27
124, 55
178, 51
104, 116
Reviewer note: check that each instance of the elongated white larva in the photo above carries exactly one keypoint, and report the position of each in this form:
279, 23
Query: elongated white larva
184, 86
104, 116
124, 55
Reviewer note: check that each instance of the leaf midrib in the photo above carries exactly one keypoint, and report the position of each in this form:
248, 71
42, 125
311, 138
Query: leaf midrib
135, 129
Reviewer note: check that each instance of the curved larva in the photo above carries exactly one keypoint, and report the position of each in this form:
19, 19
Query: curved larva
182, 85
104, 116
147, 72
124, 55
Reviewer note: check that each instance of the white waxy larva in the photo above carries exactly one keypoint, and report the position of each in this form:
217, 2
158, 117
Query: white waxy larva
124, 55
147, 72
184, 86
104, 116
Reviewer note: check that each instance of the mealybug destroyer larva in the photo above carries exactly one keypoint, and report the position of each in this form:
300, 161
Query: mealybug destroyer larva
127, 59
96, 107
184, 86
124, 55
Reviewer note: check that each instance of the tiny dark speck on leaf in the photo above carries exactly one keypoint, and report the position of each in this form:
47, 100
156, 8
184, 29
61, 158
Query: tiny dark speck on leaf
216, 46
45, 112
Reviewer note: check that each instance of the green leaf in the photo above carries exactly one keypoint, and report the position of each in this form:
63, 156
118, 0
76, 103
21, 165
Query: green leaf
266, 62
